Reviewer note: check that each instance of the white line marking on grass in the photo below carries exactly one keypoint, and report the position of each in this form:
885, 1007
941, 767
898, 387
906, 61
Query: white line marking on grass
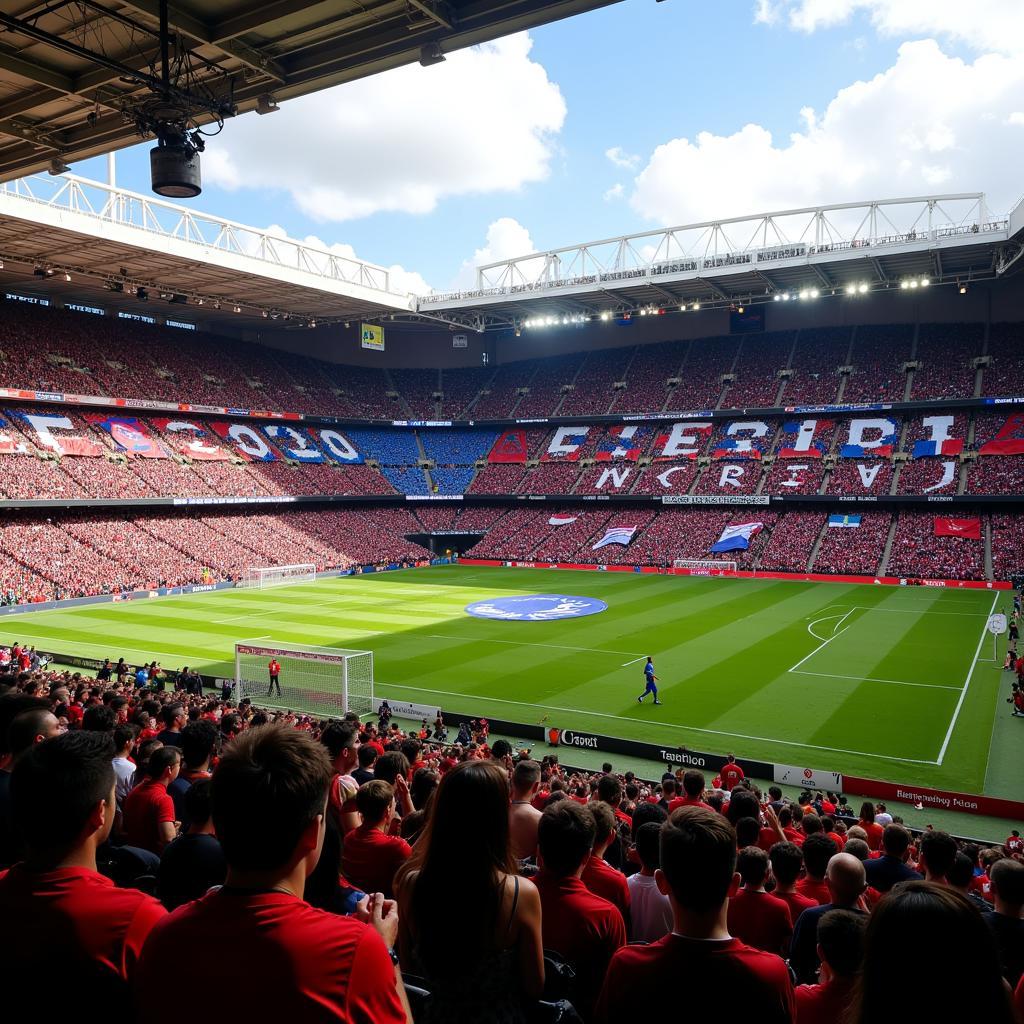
250, 639
967, 682
634, 661
51, 641
524, 643
873, 679
824, 618
664, 725
912, 611
836, 632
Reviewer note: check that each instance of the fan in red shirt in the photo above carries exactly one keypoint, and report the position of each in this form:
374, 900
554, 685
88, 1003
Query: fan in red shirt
693, 792
818, 850
57, 911
1014, 845
370, 857
731, 773
598, 875
841, 947
717, 976
148, 812
756, 917
787, 860
582, 928
871, 827
270, 802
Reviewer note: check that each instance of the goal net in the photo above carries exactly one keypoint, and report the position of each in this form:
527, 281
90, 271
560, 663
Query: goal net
277, 575
704, 566
326, 681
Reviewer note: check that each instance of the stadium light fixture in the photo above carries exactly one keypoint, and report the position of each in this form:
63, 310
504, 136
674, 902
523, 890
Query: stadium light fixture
805, 295
904, 285
431, 54
913, 283
57, 166
696, 306
739, 309
238, 309
606, 316
925, 282
67, 276
862, 288
851, 289
266, 104
963, 289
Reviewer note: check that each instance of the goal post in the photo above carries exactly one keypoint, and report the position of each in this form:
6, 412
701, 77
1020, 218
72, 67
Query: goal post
704, 566
327, 681
261, 576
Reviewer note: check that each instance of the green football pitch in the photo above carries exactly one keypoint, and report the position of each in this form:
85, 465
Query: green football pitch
884, 682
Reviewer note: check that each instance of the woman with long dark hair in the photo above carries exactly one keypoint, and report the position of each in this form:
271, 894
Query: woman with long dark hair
930, 956
463, 858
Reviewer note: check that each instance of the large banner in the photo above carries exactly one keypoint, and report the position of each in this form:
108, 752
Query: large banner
129, 435
509, 448
295, 443
9, 445
566, 445
248, 444
622, 443
49, 433
939, 440
191, 440
338, 447
743, 440
683, 441
1009, 440
805, 439
870, 438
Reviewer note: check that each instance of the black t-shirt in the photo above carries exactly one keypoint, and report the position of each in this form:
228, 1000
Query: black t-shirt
189, 866
1009, 935
169, 738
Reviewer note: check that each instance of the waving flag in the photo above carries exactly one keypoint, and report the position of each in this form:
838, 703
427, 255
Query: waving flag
922, 449
836, 520
248, 445
737, 538
615, 535
44, 427
8, 445
562, 520
188, 438
947, 527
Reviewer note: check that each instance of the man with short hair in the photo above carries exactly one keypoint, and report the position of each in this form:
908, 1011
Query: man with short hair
124, 766
148, 811
199, 743
731, 773
367, 754
370, 857
846, 883
693, 792
269, 805
56, 910
523, 817
1005, 920
699, 962
936, 851
756, 917
577, 924
194, 862
841, 951
885, 871
599, 876
342, 742
787, 860
650, 912
174, 718
818, 850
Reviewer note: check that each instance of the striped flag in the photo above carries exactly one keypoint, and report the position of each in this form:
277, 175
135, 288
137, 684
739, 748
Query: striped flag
615, 535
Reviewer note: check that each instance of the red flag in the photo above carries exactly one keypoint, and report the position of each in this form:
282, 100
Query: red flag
947, 527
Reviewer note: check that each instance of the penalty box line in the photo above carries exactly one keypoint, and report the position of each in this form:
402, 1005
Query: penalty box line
378, 684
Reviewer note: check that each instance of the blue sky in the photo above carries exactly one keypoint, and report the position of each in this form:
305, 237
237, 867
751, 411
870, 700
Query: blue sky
907, 99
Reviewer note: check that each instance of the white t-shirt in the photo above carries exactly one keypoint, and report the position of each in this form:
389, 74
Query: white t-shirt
650, 912
125, 772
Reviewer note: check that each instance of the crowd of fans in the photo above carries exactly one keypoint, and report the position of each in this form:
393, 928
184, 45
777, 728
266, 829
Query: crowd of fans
916, 551
756, 383
146, 825
856, 551
878, 356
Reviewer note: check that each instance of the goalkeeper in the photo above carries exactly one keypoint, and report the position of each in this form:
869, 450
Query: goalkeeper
274, 668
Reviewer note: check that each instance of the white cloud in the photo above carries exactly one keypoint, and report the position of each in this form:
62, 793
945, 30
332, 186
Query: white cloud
506, 239
1017, 117
617, 191
619, 157
995, 26
483, 121
929, 123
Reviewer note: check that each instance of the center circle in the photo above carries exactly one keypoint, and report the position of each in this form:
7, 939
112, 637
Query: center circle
536, 607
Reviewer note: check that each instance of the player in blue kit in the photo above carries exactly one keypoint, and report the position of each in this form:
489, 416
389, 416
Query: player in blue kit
650, 678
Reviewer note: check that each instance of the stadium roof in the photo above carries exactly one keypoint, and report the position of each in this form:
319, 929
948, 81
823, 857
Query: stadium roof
791, 255
74, 76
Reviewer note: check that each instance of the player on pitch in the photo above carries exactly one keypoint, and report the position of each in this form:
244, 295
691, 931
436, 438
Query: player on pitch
650, 679
274, 668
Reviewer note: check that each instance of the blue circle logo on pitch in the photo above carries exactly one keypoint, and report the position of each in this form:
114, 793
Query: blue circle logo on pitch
536, 607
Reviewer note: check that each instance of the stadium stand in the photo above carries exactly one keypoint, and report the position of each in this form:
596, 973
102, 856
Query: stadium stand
878, 356
789, 547
857, 551
757, 383
946, 353
647, 377
917, 552
817, 356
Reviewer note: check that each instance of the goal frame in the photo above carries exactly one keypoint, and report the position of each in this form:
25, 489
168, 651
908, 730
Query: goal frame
339, 656
260, 577
704, 565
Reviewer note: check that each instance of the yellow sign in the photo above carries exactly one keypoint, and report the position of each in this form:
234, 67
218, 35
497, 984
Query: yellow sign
373, 337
